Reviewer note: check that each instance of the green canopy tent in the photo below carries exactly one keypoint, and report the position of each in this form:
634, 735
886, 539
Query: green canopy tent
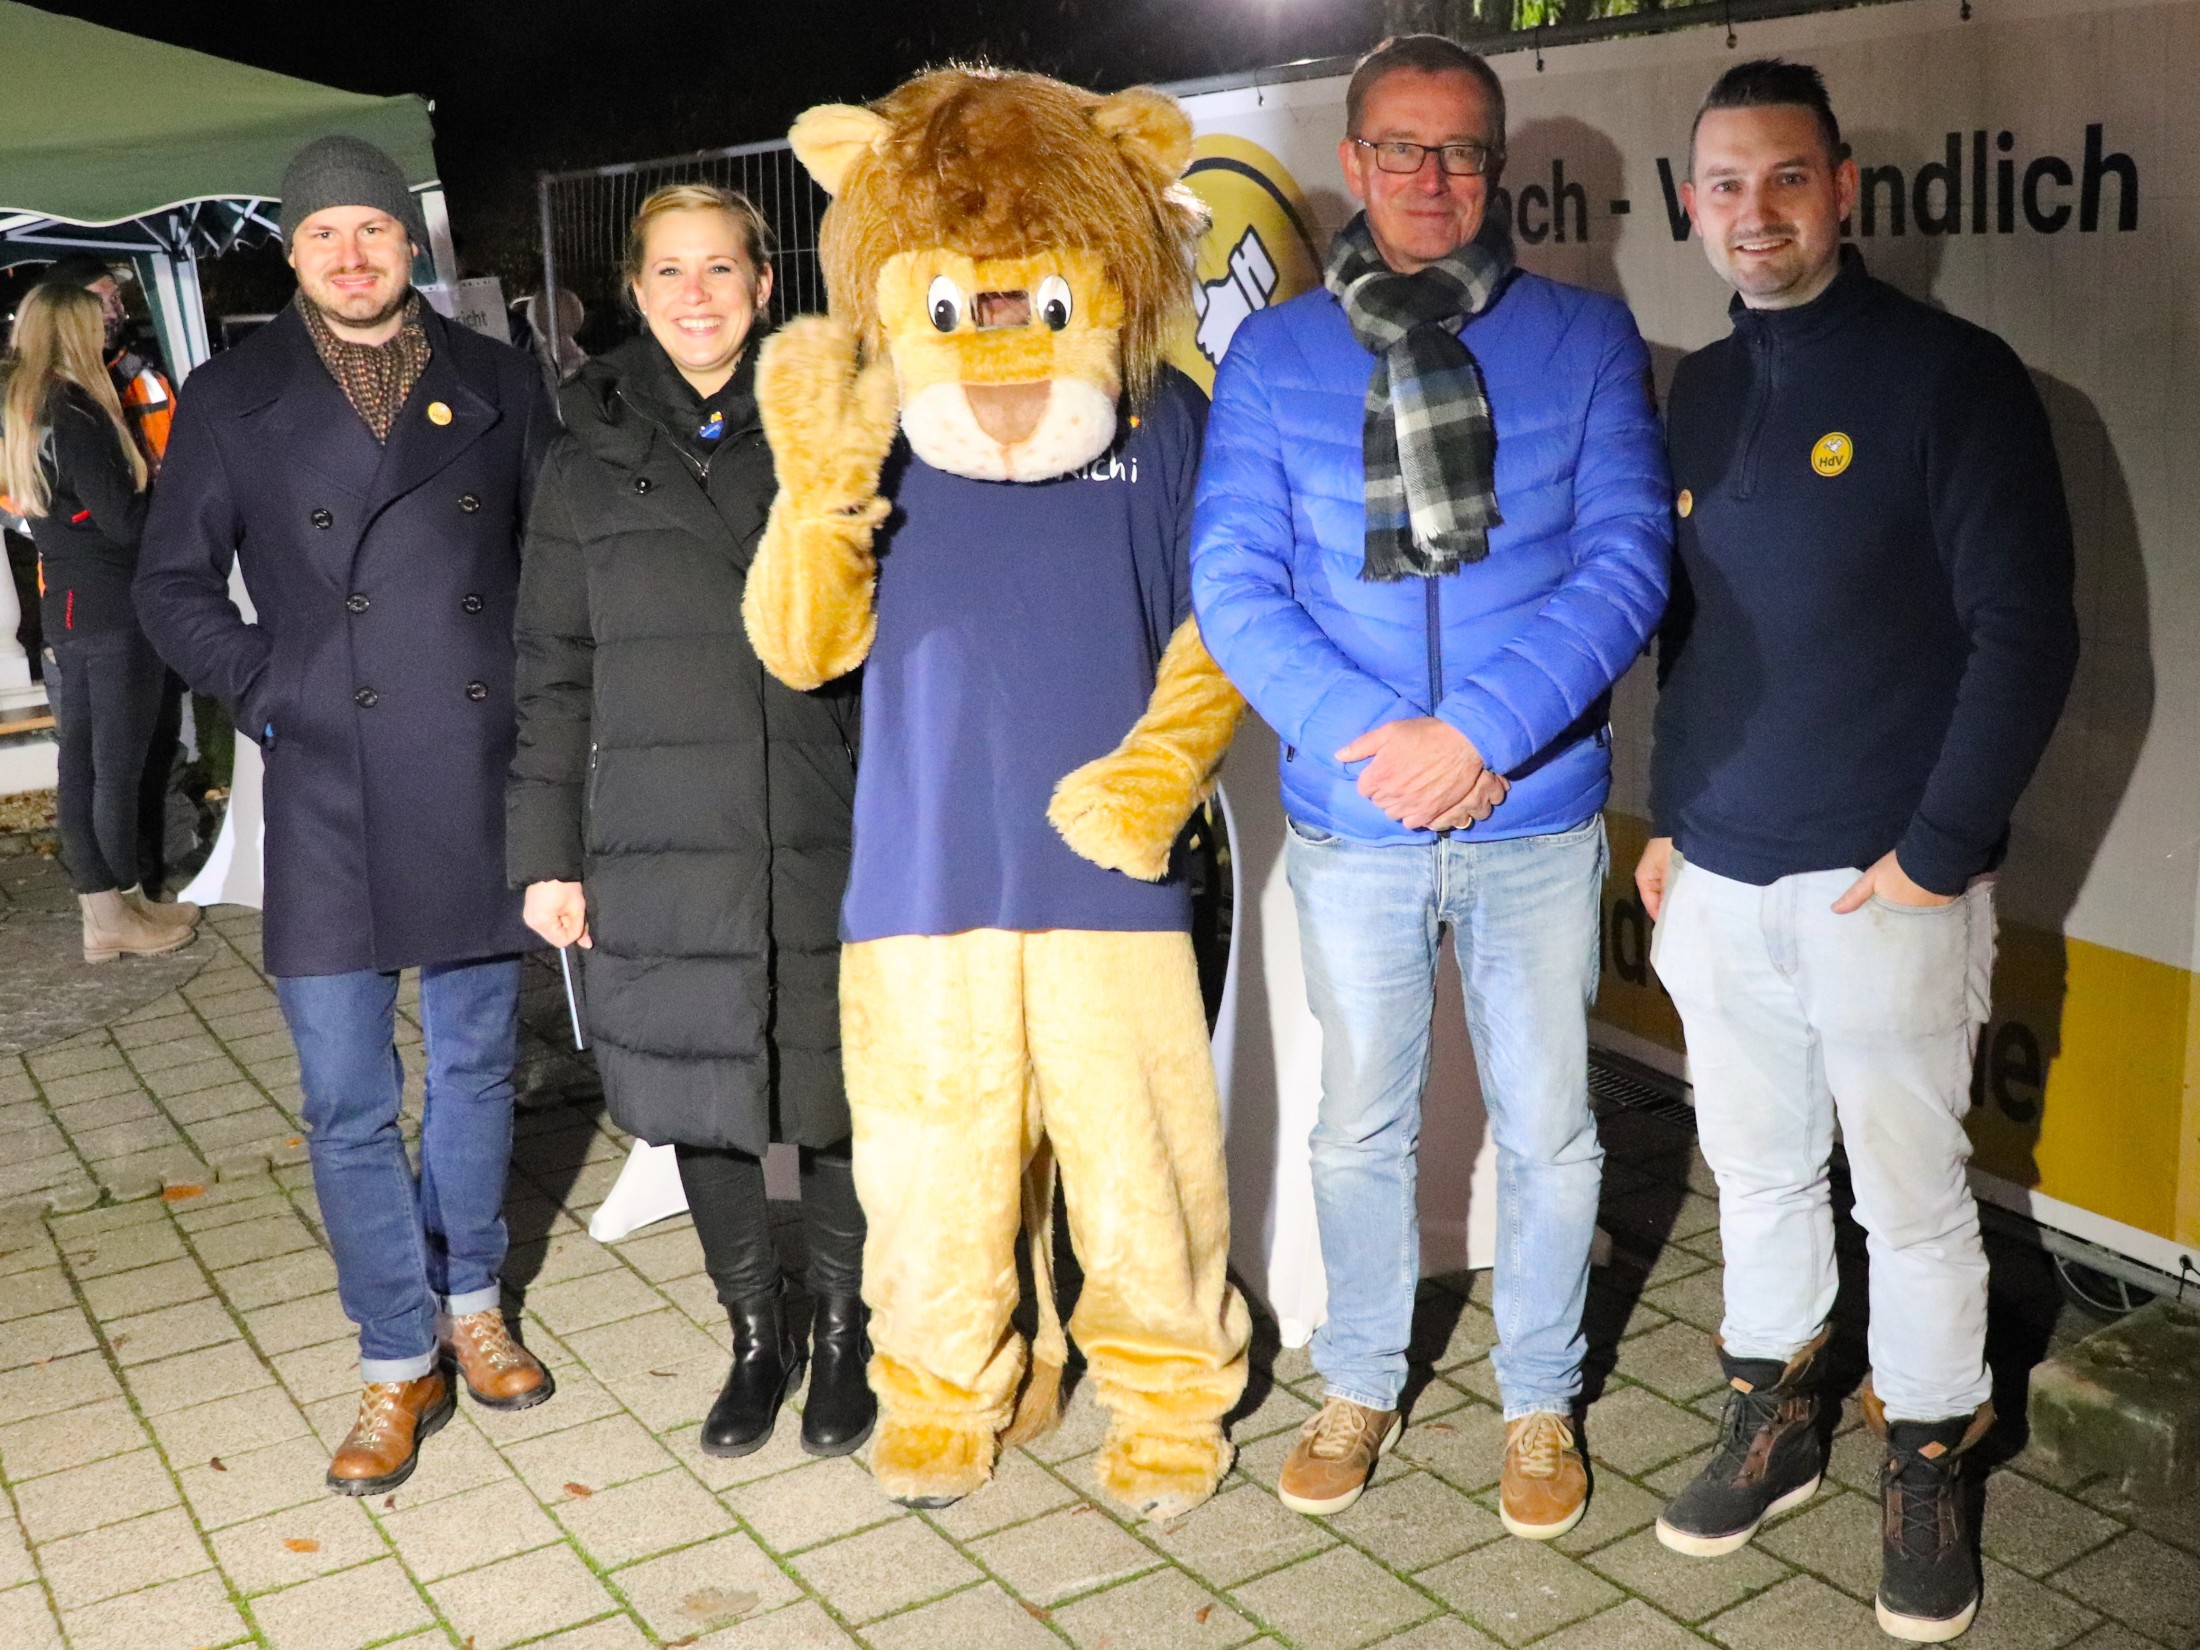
130, 149
125, 147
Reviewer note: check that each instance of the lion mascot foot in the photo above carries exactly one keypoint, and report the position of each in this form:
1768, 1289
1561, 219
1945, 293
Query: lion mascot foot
1162, 1475
923, 1464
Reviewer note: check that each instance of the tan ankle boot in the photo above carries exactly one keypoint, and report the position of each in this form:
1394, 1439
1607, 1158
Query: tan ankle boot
113, 928
179, 914
395, 1417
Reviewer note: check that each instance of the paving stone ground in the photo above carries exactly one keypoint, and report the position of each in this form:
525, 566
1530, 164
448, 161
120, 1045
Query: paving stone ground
174, 1366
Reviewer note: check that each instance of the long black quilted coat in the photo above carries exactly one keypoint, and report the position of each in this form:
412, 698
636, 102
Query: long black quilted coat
704, 806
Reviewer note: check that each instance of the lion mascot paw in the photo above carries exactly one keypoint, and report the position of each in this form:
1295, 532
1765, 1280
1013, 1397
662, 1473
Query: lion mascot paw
928, 1465
1158, 1474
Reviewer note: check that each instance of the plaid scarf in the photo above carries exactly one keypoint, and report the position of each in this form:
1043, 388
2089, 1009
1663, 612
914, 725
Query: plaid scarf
375, 378
1429, 444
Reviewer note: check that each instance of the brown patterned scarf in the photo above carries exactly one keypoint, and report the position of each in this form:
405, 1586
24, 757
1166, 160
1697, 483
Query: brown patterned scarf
375, 378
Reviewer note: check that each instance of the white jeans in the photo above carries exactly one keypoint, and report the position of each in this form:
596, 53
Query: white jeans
1795, 1016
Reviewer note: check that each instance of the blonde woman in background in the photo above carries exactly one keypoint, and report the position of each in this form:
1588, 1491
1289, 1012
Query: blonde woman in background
67, 459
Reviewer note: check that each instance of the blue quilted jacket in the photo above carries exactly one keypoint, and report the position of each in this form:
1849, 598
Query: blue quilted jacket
1518, 651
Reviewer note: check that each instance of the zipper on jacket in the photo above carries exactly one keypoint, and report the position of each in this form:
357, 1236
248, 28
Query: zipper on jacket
1763, 382
588, 793
1435, 653
701, 466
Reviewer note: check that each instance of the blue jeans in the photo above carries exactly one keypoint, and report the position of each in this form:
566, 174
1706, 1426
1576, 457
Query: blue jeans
1523, 915
405, 1245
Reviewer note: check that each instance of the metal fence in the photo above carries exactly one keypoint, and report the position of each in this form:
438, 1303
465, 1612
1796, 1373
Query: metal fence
584, 216
585, 212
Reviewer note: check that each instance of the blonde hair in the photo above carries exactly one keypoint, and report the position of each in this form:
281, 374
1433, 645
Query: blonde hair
60, 333
756, 234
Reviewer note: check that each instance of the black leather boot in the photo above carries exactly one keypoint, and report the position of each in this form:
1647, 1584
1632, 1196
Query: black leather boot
767, 1360
839, 1409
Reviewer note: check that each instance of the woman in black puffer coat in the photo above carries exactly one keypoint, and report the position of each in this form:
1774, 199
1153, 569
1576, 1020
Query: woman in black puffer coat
683, 816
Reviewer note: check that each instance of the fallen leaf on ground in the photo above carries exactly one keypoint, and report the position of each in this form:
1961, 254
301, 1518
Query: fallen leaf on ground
215, 1462
663, 1374
181, 1194
1438, 1426
1201, 1614
295, 1141
715, 1602
580, 1490
389, 1503
1039, 1612
41, 1363
301, 1544
681, 1644
119, 1342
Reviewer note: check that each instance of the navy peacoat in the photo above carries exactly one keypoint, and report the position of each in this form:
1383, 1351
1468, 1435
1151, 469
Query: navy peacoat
377, 674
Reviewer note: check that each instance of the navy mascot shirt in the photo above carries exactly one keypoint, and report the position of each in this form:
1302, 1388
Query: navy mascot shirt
1019, 628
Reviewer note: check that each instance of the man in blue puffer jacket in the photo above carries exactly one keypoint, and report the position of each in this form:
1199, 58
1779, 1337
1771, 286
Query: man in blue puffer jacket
1433, 527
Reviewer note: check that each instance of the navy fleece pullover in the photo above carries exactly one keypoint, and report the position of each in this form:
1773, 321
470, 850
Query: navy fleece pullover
1872, 631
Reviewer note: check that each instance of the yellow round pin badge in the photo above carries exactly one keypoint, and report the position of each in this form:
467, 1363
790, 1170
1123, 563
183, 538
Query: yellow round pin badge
439, 412
1685, 503
1832, 454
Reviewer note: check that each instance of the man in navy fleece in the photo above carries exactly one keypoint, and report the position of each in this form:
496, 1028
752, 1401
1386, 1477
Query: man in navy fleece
1870, 641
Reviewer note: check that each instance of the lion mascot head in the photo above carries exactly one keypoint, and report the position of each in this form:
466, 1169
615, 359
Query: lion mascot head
1020, 250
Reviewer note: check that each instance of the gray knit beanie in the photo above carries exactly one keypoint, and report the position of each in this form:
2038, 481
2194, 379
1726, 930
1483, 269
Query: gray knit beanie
347, 171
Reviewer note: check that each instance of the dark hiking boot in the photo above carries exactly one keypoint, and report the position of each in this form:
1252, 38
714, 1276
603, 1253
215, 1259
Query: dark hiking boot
1929, 1568
1770, 1456
767, 1360
838, 1411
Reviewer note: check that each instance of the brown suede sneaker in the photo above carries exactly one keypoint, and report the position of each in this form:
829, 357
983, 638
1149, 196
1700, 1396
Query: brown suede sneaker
1335, 1456
498, 1371
1545, 1488
384, 1443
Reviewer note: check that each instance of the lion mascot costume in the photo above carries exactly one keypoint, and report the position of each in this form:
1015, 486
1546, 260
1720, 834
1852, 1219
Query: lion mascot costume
1007, 257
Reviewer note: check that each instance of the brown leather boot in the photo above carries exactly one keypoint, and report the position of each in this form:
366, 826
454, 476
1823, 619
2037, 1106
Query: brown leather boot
1545, 1487
383, 1446
161, 913
498, 1371
113, 927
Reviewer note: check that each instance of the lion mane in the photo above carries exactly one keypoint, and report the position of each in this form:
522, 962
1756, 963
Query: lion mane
1001, 164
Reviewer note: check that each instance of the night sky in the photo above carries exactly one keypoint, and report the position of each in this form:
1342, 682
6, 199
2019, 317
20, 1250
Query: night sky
547, 84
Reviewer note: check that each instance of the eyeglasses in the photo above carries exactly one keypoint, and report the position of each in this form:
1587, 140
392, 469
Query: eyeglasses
1457, 160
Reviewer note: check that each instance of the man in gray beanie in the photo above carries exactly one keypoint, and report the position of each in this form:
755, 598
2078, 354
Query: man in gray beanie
368, 466
352, 226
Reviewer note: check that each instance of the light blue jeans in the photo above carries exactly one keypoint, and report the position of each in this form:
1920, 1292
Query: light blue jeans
407, 1245
1796, 1018
1523, 915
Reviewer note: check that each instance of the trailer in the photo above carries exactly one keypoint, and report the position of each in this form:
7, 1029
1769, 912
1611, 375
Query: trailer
2032, 165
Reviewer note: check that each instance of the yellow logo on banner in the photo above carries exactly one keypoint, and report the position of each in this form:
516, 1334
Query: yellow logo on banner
1685, 503
1259, 250
1832, 454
